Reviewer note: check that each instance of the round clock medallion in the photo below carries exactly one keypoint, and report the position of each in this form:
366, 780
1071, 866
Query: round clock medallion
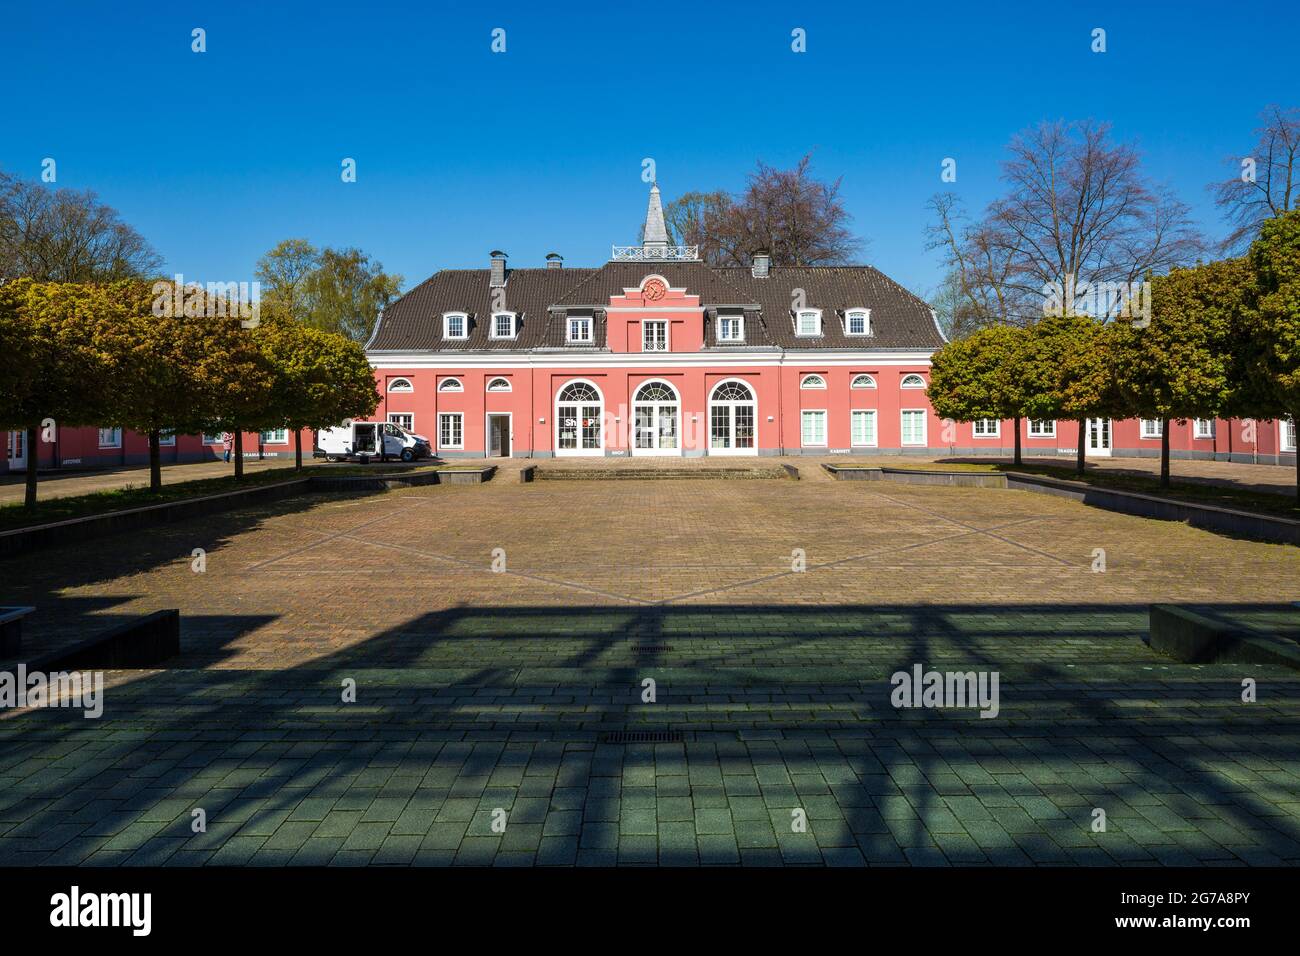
654, 290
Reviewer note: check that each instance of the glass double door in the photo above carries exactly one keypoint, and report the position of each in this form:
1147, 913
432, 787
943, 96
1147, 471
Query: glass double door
655, 430
579, 429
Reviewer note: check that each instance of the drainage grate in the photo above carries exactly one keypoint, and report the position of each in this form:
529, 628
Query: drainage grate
651, 648
642, 737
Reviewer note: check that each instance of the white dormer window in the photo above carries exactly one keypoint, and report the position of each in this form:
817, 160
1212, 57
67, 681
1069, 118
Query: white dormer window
912, 381
450, 385
857, 322
579, 328
503, 325
455, 325
808, 322
813, 381
731, 328
863, 381
400, 385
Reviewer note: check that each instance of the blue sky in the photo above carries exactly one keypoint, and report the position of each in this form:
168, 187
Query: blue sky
215, 157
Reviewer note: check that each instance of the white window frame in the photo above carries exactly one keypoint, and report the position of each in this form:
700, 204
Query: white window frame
212, 439
869, 383
866, 322
646, 326
804, 413
798, 323
464, 325
813, 380
581, 321
115, 438
401, 384
1148, 433
1032, 433
723, 320
995, 433
410, 415
1203, 429
499, 378
508, 316
166, 439
283, 438
1286, 429
920, 381
875, 431
460, 419
925, 427
451, 384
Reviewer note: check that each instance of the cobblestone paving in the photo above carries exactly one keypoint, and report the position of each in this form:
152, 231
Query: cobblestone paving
479, 692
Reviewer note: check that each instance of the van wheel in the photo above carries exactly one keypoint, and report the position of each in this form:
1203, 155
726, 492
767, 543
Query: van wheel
331, 458
408, 454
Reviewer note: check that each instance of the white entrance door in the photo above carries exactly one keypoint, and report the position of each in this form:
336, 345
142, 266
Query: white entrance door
578, 412
733, 420
1099, 437
16, 449
655, 417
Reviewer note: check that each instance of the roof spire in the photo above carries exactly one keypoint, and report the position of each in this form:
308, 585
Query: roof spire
656, 233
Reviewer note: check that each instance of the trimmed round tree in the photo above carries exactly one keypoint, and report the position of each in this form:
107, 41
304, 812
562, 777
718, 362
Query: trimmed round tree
1069, 373
983, 376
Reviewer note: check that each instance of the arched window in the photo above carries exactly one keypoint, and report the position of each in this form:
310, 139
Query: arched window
912, 381
451, 385
655, 420
499, 385
813, 381
579, 409
733, 417
863, 381
400, 385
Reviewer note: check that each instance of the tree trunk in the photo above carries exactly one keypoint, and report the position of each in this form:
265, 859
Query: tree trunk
1016, 422
1082, 454
33, 459
297, 449
239, 454
155, 461
1164, 453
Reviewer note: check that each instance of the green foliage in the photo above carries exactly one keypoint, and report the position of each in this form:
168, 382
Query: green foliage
1069, 371
1271, 360
321, 377
983, 375
336, 290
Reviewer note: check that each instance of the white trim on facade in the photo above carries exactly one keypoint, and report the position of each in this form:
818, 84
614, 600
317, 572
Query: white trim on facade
871, 416
564, 358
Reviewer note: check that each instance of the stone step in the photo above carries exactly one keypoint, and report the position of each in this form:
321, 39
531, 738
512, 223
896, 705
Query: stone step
654, 474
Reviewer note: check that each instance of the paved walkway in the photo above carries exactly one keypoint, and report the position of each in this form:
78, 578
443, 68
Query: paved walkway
68, 483
480, 692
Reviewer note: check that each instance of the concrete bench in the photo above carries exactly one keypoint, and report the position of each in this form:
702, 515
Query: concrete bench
11, 629
1197, 639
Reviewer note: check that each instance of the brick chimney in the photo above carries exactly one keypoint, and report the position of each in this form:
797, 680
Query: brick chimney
554, 260
498, 268
762, 264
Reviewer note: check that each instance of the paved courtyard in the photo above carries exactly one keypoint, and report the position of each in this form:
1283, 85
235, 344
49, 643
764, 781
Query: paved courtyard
487, 698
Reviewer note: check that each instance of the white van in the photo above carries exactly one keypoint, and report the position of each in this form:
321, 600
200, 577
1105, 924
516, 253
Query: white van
365, 440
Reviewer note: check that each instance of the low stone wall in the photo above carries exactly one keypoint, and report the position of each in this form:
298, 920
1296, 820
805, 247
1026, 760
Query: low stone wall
1196, 639
1246, 524
145, 642
917, 476
660, 473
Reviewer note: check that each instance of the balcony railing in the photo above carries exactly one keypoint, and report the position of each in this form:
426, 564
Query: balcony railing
655, 253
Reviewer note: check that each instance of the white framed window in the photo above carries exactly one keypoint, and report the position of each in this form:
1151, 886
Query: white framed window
579, 328
913, 432
986, 428
400, 385
731, 328
1287, 429
167, 438
863, 431
455, 325
402, 420
1202, 427
450, 385
912, 381
808, 322
863, 381
503, 325
499, 385
814, 427
812, 381
1150, 428
213, 439
857, 322
110, 438
451, 433
276, 436
1041, 428
654, 336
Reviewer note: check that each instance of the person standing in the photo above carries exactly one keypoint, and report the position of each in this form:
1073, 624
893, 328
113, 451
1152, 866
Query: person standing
228, 440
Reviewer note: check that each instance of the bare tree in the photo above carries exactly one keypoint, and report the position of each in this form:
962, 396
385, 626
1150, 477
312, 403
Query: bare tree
798, 219
976, 287
62, 235
1266, 183
1078, 211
